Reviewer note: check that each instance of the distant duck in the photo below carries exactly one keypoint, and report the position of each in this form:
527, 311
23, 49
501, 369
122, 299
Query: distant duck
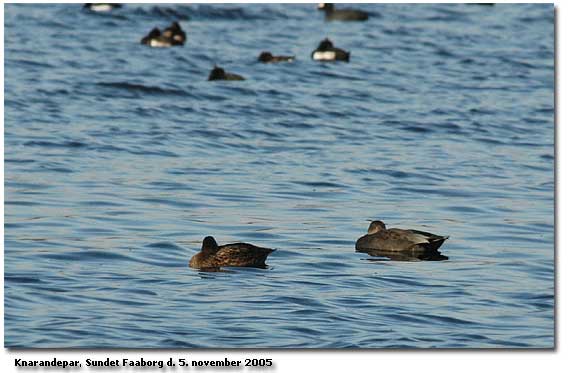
156, 39
267, 57
331, 14
172, 36
231, 255
327, 52
380, 238
175, 32
101, 7
220, 74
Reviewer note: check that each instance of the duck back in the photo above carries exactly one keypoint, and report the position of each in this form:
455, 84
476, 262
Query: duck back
400, 240
347, 15
242, 255
231, 255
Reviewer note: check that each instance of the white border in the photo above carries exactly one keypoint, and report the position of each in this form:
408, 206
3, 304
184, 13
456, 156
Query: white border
333, 361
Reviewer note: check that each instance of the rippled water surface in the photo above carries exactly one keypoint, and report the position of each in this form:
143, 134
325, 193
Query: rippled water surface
120, 158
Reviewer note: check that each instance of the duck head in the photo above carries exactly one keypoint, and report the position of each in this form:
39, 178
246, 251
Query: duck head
328, 7
217, 73
325, 44
154, 33
376, 226
265, 57
209, 246
175, 26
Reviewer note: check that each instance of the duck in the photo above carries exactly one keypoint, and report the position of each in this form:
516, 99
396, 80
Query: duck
331, 14
101, 7
156, 39
175, 32
327, 52
220, 74
170, 37
230, 255
379, 238
267, 57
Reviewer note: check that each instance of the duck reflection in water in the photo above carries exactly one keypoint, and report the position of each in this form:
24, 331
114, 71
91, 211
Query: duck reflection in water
386, 256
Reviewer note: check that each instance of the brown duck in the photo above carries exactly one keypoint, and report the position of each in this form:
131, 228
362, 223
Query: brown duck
230, 255
379, 238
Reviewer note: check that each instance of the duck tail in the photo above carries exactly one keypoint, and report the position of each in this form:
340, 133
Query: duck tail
436, 242
438, 238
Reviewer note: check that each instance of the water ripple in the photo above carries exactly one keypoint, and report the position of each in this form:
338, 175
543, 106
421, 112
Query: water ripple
120, 159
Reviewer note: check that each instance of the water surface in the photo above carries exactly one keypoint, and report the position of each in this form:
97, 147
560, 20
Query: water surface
120, 158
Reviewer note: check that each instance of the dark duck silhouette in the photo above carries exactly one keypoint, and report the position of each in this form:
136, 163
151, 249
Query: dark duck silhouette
327, 52
175, 32
394, 240
267, 57
220, 74
230, 255
171, 36
155, 39
332, 14
381, 256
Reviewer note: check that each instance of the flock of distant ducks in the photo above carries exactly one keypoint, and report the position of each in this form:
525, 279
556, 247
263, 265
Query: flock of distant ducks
173, 36
395, 243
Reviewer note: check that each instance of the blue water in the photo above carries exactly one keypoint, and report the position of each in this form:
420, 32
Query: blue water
120, 158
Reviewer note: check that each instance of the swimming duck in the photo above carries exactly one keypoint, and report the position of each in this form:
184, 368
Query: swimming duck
156, 39
219, 74
175, 32
327, 52
267, 57
172, 36
231, 255
380, 238
101, 7
331, 14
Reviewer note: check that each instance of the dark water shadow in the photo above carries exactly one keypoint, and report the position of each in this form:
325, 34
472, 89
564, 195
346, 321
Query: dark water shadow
383, 256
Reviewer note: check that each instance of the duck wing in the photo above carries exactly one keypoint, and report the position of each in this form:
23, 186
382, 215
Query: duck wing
398, 240
387, 241
426, 239
431, 236
340, 54
231, 76
347, 15
242, 255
